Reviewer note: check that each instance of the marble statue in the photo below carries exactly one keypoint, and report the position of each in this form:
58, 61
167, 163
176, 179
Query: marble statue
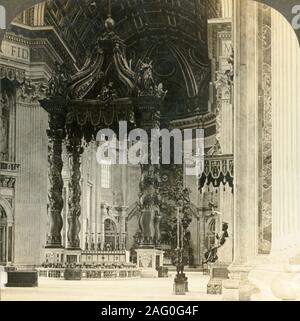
4, 126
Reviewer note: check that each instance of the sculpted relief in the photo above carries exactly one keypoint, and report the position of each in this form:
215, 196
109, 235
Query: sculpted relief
4, 126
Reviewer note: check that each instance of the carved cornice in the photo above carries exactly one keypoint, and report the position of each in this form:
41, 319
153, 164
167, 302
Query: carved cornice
45, 37
12, 74
200, 121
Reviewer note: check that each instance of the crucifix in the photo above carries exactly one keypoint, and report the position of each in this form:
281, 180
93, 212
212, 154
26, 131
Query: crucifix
109, 8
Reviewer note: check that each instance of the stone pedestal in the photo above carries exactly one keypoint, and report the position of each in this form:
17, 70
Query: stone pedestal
3, 277
238, 287
285, 284
218, 273
180, 286
23, 279
54, 256
148, 260
72, 256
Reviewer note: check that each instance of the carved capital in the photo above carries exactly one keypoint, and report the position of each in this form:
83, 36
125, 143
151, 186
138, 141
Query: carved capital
31, 92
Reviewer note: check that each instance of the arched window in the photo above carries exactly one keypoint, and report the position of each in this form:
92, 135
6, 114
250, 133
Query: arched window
6, 238
111, 235
3, 235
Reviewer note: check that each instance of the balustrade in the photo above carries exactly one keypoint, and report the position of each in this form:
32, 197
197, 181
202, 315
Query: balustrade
92, 273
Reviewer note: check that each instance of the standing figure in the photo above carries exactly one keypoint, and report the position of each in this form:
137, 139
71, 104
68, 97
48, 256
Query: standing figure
211, 255
4, 127
145, 78
58, 84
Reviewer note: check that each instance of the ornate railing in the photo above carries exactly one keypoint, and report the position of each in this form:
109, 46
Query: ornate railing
89, 256
59, 273
9, 166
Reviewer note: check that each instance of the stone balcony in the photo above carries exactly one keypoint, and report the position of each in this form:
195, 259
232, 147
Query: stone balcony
8, 173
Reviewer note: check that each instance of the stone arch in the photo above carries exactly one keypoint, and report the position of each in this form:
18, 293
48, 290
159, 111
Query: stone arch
183, 65
6, 232
15, 7
111, 235
8, 209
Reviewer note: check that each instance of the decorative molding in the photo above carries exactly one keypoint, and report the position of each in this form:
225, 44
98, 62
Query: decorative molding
12, 74
7, 181
217, 171
31, 92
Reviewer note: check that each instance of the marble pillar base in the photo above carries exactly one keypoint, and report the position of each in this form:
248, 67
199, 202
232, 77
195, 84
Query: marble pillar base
148, 260
3, 277
180, 286
61, 255
22, 279
72, 256
277, 276
286, 284
238, 287
54, 255
218, 272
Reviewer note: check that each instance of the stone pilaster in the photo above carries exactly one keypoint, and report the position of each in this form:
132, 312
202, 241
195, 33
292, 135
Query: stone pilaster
238, 286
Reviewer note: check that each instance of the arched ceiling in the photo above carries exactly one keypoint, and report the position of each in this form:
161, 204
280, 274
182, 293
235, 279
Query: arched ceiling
14, 7
155, 28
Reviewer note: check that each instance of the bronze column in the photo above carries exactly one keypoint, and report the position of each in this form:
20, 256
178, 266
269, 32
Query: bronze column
75, 150
149, 198
56, 134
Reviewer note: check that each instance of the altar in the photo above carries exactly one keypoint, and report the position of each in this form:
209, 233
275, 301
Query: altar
104, 93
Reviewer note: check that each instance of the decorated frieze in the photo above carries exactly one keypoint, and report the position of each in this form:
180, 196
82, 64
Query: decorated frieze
218, 172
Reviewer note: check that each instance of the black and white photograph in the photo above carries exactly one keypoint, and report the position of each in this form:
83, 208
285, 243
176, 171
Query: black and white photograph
149, 151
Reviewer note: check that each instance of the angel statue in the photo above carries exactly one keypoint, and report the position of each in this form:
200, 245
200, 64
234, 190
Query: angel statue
4, 126
160, 92
58, 84
145, 77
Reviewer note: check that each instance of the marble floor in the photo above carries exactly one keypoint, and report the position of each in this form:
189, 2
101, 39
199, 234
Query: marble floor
111, 290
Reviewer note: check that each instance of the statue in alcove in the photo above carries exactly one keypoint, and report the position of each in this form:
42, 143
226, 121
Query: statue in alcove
4, 127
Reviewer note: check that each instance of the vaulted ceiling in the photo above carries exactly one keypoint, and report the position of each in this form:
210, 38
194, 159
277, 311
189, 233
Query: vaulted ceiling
173, 33
138, 22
